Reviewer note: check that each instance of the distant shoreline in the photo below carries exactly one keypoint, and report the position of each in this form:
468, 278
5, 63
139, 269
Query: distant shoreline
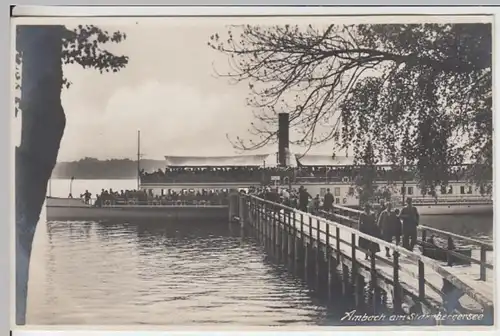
112, 169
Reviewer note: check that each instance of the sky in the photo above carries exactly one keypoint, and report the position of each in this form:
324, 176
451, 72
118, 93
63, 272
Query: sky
169, 91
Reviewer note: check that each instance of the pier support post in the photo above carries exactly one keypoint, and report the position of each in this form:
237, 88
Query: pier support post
345, 280
328, 258
242, 210
421, 285
451, 297
397, 286
354, 268
290, 238
310, 253
375, 292
482, 269
337, 242
293, 248
318, 255
233, 205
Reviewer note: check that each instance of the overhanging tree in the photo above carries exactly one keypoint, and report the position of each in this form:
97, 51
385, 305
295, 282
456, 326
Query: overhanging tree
418, 92
41, 51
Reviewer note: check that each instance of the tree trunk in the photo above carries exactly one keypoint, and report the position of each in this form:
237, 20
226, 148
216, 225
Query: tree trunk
43, 123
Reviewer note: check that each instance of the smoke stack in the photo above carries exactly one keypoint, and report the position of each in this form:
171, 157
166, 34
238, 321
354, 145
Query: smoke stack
283, 139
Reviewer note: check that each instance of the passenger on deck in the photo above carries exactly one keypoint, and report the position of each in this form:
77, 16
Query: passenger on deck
98, 201
368, 225
86, 196
410, 218
328, 201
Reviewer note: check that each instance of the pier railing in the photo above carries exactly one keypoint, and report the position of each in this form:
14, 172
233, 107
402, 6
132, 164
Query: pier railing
350, 217
406, 276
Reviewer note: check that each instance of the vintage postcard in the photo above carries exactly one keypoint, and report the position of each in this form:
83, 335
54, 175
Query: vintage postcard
247, 171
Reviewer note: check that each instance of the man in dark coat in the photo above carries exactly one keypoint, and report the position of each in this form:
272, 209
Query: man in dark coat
304, 197
390, 226
328, 201
411, 219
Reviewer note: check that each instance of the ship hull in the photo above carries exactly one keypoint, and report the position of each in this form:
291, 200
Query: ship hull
455, 209
73, 210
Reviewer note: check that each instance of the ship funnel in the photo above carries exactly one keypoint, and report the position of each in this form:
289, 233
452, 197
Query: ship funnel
283, 140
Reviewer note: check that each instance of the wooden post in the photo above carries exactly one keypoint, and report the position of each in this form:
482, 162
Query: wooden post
374, 285
328, 256
421, 282
354, 270
289, 238
450, 248
233, 207
337, 238
318, 255
263, 225
353, 251
482, 269
284, 235
395, 278
306, 257
310, 245
302, 227
294, 243
241, 210
259, 224
345, 279
275, 235
281, 230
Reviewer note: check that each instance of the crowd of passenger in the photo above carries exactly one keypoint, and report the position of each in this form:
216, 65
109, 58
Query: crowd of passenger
205, 174
382, 220
143, 197
264, 174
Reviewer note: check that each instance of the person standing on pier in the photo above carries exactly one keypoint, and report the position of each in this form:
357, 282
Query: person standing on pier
304, 197
381, 208
411, 219
390, 226
328, 201
368, 225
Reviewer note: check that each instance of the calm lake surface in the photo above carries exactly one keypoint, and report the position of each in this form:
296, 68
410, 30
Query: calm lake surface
173, 274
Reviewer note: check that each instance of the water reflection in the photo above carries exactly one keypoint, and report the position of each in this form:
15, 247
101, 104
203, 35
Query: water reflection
166, 274
163, 273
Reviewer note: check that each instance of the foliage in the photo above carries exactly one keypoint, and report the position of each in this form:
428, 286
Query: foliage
365, 186
82, 46
419, 92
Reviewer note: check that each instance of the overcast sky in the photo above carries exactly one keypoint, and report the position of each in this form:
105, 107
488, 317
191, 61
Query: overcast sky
168, 90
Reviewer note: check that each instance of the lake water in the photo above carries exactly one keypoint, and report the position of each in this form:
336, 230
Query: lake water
172, 274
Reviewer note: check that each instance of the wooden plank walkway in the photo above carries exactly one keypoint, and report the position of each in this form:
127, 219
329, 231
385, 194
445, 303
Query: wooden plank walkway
470, 275
479, 290
456, 288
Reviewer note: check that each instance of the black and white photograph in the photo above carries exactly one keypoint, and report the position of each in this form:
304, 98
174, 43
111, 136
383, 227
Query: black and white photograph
253, 171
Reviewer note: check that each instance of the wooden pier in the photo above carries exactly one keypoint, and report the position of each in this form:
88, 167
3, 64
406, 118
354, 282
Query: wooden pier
323, 250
